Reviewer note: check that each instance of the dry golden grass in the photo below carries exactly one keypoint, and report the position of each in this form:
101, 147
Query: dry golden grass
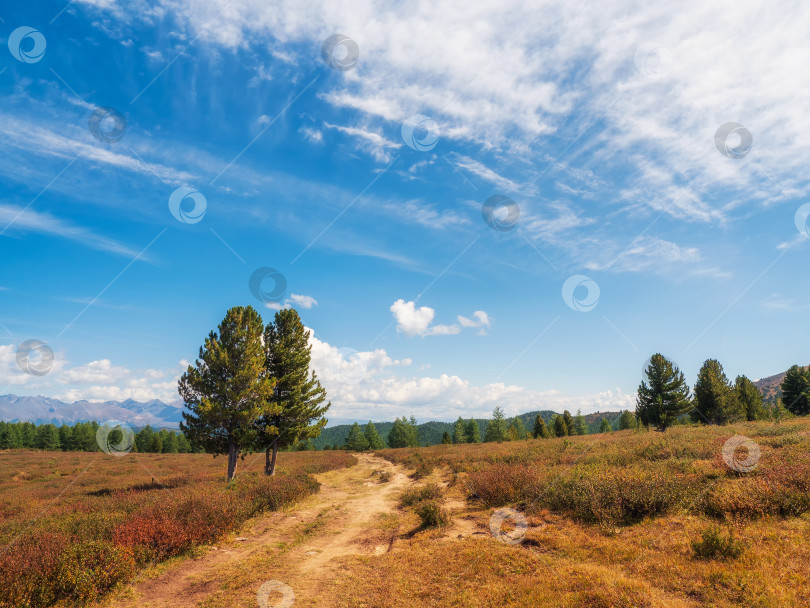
573, 556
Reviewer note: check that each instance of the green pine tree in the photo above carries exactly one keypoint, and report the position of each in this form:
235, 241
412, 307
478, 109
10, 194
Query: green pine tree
569, 422
47, 437
228, 388
459, 435
295, 411
496, 428
373, 438
540, 429
663, 395
472, 431
183, 446
446, 439
580, 428
715, 401
170, 443
604, 426
403, 434
627, 420
559, 426
796, 390
749, 398
356, 441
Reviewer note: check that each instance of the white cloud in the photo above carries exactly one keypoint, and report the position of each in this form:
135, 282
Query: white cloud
502, 75
312, 135
19, 219
480, 319
360, 385
648, 252
413, 321
37, 140
295, 300
371, 142
302, 301
99, 380
363, 385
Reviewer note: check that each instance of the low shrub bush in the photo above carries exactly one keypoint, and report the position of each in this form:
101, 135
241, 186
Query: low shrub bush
713, 544
427, 492
431, 514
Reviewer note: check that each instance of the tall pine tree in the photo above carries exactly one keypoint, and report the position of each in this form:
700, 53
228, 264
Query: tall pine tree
496, 428
227, 388
356, 441
663, 395
750, 399
472, 432
540, 429
375, 442
458, 431
796, 390
296, 412
715, 402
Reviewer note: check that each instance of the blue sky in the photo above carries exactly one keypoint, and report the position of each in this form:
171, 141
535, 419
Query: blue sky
599, 126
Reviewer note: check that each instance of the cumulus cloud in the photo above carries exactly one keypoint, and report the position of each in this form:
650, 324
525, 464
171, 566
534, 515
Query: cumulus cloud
413, 321
297, 300
371, 384
361, 384
99, 380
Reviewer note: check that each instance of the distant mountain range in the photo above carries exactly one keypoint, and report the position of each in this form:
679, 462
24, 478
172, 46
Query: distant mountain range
44, 410
771, 387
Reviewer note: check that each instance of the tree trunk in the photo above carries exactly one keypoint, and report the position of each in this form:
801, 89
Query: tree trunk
270, 463
233, 455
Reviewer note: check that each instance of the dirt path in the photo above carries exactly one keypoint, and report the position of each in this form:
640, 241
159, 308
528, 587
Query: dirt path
352, 514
